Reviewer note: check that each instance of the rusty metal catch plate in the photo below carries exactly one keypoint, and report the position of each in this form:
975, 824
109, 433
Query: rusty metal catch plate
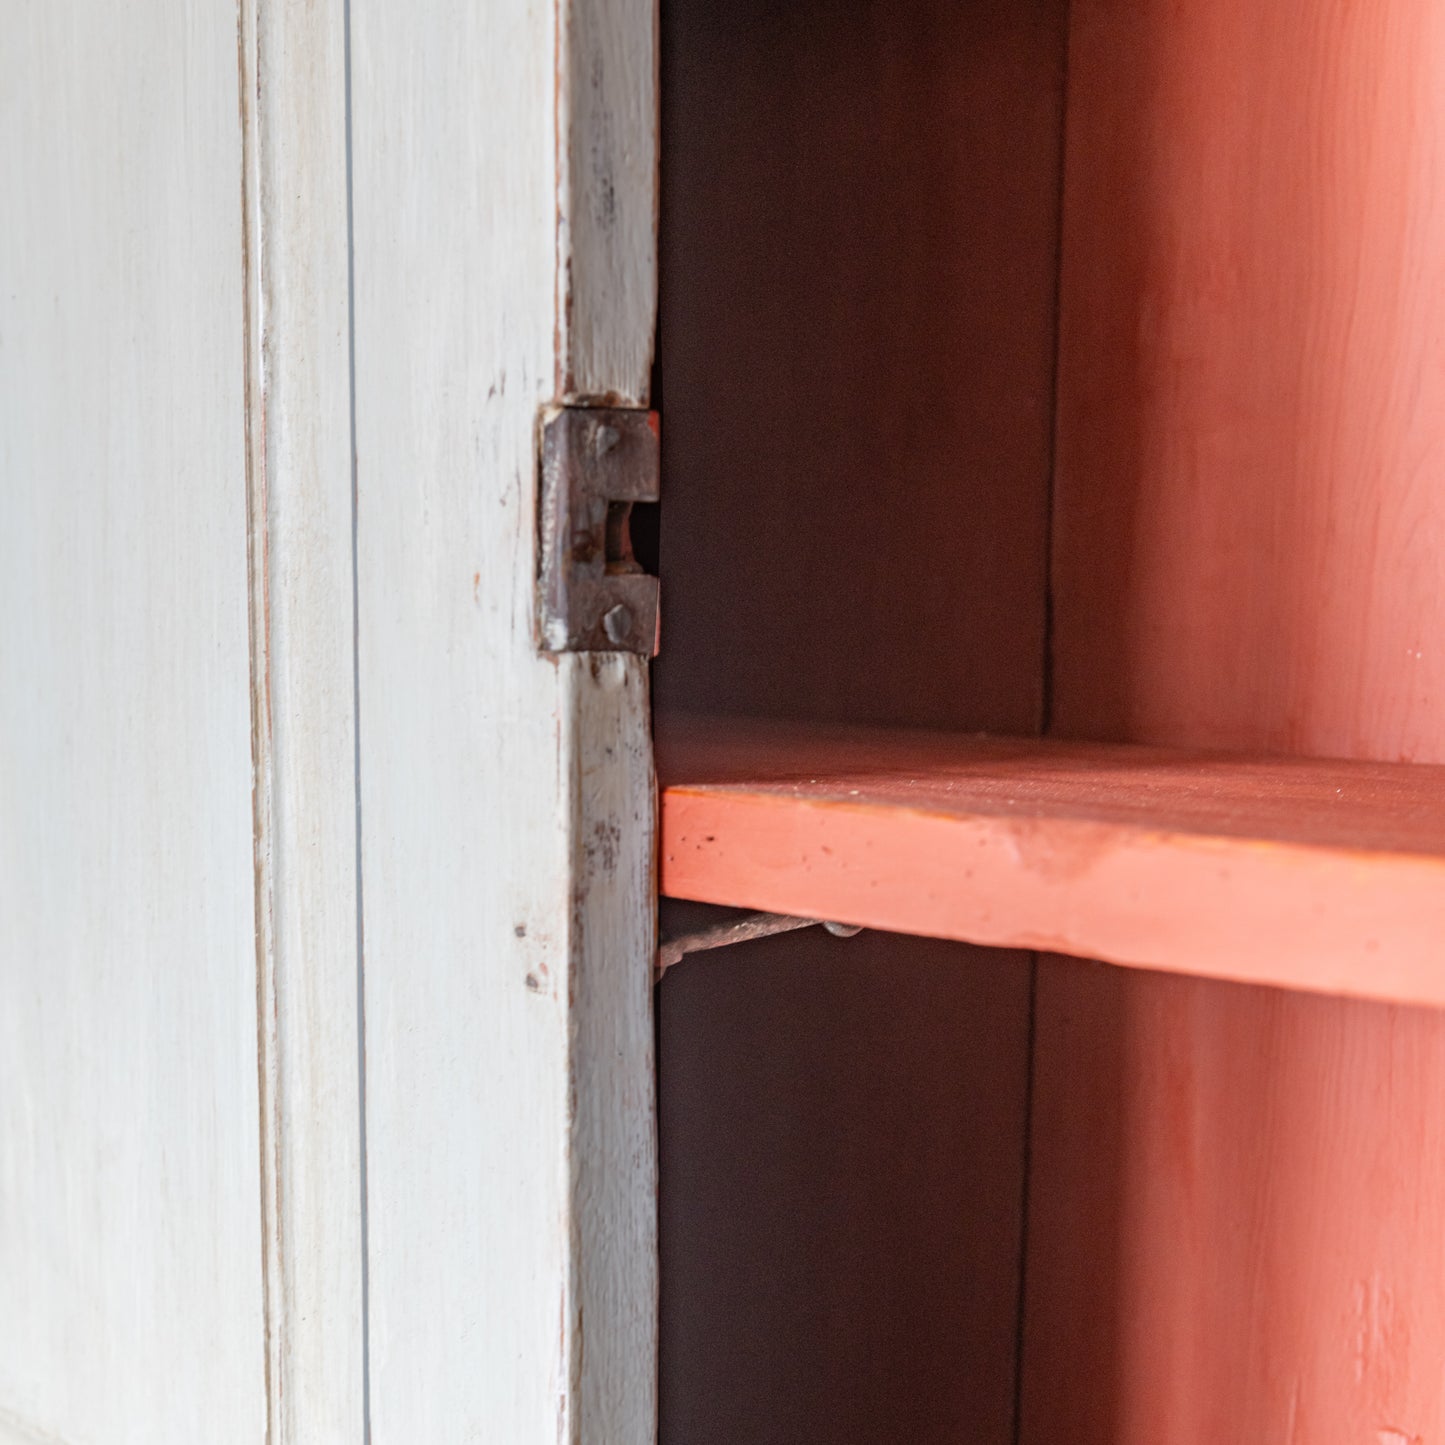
592, 596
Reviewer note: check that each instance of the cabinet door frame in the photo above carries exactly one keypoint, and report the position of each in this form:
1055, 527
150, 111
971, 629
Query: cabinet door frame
451, 215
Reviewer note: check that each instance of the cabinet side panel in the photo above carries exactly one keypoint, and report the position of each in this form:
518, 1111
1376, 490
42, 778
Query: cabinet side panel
130, 1242
1236, 1194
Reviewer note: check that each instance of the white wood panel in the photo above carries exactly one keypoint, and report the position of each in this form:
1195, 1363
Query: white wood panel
506, 797
607, 199
130, 1281
612, 1144
294, 88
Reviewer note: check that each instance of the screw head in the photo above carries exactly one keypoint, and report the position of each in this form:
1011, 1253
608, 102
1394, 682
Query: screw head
617, 623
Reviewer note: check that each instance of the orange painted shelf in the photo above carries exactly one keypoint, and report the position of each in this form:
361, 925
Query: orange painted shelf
1328, 876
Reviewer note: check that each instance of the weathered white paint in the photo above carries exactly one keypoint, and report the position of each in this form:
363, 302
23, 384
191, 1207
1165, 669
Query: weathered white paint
130, 1280
607, 198
506, 797
607, 309
612, 1144
299, 392
181, 1197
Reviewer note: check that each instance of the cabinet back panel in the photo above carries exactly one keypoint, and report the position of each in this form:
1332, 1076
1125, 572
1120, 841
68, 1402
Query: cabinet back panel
859, 242
859, 258
1236, 1193
841, 1191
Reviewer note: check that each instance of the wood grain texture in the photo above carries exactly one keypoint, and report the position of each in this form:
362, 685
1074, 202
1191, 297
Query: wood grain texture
1359, 809
858, 259
505, 796
607, 199
294, 134
1329, 876
1249, 525
612, 1139
130, 1241
1233, 1223
1252, 349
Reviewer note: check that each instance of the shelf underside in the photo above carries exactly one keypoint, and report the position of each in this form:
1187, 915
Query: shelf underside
1306, 874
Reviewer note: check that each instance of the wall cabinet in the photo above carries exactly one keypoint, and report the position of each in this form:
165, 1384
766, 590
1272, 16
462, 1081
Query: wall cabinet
1053, 498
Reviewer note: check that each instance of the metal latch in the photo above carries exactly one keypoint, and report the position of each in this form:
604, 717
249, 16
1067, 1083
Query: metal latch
592, 594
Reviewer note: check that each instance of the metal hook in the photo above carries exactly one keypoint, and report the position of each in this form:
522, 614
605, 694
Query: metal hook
741, 930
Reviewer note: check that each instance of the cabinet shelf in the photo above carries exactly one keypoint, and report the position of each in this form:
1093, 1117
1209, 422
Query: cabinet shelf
1319, 875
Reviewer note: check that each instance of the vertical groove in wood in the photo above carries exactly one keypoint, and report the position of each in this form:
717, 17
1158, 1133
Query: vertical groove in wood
1025, 1188
267, 1067
1234, 1224
299, 495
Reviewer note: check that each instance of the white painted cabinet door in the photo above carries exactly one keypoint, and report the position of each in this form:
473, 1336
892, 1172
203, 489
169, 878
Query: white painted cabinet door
325, 899
504, 259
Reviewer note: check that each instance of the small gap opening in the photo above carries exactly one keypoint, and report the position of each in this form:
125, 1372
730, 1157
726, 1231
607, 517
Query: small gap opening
618, 553
645, 536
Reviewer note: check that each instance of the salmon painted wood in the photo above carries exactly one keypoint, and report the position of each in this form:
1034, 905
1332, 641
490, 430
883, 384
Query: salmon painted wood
1327, 876
1235, 1194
